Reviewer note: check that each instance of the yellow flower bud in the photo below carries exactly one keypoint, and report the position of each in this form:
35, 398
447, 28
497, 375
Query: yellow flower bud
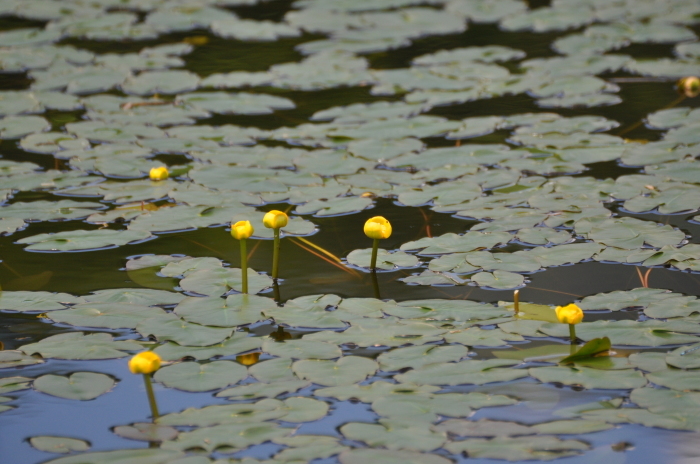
160, 173
146, 362
689, 86
569, 314
275, 219
242, 230
248, 359
377, 227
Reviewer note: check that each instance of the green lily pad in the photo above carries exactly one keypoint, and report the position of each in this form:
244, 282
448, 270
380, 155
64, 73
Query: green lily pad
380, 456
11, 358
346, 370
263, 390
675, 379
273, 370
13, 384
238, 343
236, 436
146, 431
519, 448
685, 357
216, 282
426, 408
305, 448
477, 372
395, 435
106, 315
453, 243
36, 301
235, 310
145, 456
387, 332
615, 301
419, 356
374, 391
475, 336
445, 310
590, 349
626, 332
172, 328
78, 386
237, 413
301, 349
385, 259
161, 82
77, 345
192, 376
590, 378
501, 280
82, 240
61, 445
135, 296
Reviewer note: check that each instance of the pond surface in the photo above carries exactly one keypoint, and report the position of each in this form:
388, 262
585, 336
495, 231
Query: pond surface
546, 148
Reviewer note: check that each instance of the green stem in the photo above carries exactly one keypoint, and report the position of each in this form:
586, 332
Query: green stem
151, 396
244, 266
276, 255
572, 332
276, 290
375, 284
375, 248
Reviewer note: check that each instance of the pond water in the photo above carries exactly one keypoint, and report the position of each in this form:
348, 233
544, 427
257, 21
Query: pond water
544, 148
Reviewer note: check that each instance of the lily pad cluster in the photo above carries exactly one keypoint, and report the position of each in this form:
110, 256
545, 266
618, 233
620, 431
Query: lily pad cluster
96, 105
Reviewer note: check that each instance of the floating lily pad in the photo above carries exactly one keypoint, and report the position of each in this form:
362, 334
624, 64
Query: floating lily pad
395, 435
216, 282
346, 370
379, 456
418, 356
79, 386
58, 444
169, 327
519, 448
106, 315
77, 345
146, 431
192, 376
500, 280
465, 372
302, 349
82, 240
36, 301
385, 259
263, 390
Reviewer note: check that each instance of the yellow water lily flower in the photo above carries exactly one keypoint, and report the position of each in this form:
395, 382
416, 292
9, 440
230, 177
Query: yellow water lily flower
569, 314
689, 86
160, 173
377, 228
242, 230
146, 362
275, 219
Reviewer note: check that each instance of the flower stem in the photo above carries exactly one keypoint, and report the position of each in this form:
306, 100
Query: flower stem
244, 266
572, 332
375, 284
151, 396
375, 248
516, 301
276, 255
